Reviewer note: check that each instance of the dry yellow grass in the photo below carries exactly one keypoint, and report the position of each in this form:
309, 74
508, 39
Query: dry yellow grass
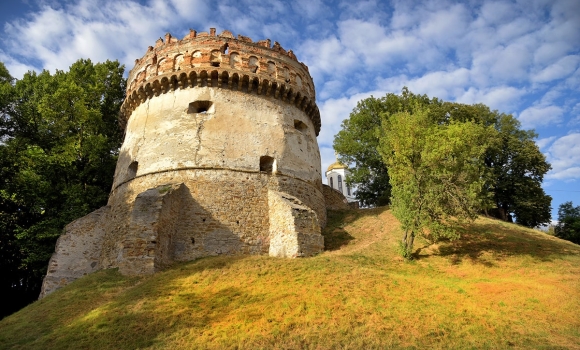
500, 286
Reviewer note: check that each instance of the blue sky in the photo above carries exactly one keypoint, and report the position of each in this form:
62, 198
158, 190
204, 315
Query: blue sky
520, 57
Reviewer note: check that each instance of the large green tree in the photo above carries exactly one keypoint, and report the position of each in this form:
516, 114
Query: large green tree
568, 226
356, 144
516, 165
436, 172
60, 140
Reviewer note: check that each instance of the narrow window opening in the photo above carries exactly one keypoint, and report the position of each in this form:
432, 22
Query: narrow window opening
348, 190
215, 64
340, 183
132, 170
331, 183
238, 222
299, 125
200, 107
266, 164
192, 240
203, 220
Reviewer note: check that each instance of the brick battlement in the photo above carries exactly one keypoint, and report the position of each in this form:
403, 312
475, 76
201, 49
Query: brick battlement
221, 61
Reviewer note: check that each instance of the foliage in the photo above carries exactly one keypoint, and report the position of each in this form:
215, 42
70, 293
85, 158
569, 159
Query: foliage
568, 226
357, 142
436, 172
516, 165
60, 142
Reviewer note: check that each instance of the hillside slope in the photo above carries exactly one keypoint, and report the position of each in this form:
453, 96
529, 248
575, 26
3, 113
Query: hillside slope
499, 286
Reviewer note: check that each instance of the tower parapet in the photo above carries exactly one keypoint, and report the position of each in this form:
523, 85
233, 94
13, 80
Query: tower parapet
221, 61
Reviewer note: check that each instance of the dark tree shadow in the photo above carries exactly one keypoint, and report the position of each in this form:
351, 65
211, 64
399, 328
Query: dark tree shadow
334, 234
491, 242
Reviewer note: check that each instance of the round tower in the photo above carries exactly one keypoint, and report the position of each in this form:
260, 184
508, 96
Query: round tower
220, 155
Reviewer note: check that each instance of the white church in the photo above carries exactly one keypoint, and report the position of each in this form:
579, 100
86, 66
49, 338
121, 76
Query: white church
336, 178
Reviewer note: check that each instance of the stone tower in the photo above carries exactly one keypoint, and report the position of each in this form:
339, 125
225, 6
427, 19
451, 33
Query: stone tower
220, 157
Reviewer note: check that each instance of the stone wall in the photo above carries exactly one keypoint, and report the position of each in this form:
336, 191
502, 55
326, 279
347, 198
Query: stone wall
154, 221
77, 252
294, 227
224, 211
334, 199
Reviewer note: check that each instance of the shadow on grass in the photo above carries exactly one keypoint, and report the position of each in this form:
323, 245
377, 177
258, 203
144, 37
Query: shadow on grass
485, 243
335, 236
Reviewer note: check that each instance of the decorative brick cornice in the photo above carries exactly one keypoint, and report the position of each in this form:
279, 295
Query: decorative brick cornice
221, 61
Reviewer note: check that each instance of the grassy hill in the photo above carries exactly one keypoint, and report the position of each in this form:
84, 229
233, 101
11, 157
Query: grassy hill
500, 286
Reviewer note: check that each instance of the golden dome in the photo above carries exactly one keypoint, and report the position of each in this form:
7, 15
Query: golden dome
336, 165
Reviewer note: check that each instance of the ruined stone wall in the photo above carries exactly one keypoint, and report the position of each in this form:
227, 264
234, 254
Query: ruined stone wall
224, 212
334, 199
77, 252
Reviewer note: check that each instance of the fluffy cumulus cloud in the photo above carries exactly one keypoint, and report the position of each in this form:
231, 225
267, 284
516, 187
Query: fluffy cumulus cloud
538, 116
564, 155
55, 37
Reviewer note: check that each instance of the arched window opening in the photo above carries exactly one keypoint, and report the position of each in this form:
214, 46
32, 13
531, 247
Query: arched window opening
253, 64
234, 59
200, 107
215, 58
271, 68
331, 183
340, 183
267, 164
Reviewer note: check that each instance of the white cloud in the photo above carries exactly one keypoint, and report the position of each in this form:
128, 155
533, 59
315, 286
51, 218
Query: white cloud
442, 84
538, 116
564, 155
55, 38
562, 68
542, 143
327, 56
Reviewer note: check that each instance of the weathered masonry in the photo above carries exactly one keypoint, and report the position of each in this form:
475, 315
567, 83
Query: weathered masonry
220, 157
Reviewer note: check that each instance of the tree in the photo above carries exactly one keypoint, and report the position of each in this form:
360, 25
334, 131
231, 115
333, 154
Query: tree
568, 226
356, 144
517, 166
60, 143
436, 171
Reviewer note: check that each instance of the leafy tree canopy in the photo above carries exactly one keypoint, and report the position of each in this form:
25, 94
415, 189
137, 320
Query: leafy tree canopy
356, 144
568, 226
436, 171
516, 165
60, 140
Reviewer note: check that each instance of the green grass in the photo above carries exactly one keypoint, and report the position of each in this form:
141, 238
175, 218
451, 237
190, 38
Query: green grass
499, 286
